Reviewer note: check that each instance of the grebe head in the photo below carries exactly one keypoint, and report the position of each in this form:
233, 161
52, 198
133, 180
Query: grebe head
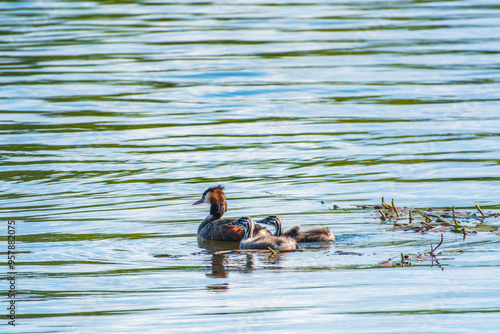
216, 198
274, 221
247, 223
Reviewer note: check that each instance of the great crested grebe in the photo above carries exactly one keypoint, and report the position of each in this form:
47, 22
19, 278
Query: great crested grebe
262, 241
215, 228
320, 234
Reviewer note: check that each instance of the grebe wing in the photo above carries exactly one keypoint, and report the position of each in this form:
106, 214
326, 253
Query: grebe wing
221, 230
321, 234
292, 231
273, 242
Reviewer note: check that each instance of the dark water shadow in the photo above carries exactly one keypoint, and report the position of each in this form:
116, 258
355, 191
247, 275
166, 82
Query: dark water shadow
212, 246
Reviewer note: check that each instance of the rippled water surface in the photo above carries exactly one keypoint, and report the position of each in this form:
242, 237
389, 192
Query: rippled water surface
117, 115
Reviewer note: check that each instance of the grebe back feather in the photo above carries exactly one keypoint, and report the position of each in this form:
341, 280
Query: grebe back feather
319, 234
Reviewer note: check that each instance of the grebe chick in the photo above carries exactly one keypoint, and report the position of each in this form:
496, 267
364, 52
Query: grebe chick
262, 242
320, 234
217, 229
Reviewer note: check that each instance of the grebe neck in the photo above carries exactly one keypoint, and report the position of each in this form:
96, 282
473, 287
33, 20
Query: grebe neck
217, 210
249, 226
279, 227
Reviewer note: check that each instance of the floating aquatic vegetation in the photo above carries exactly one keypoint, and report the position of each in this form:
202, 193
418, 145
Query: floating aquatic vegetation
168, 256
339, 252
427, 255
435, 220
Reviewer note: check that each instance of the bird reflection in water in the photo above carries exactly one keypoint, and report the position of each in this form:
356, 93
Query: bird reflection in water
220, 262
219, 270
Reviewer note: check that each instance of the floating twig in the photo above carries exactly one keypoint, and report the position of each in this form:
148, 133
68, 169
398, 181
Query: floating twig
394, 208
385, 205
443, 221
434, 249
225, 252
440, 243
427, 226
384, 217
410, 215
269, 250
426, 217
242, 251
482, 213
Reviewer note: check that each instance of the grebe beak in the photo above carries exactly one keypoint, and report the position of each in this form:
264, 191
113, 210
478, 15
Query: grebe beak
198, 202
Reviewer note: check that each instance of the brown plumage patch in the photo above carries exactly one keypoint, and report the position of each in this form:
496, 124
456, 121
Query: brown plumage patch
221, 230
225, 232
261, 231
217, 200
217, 196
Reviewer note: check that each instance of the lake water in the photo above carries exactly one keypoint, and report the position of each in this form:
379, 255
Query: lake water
117, 115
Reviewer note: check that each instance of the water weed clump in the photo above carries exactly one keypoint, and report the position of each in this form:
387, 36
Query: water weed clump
435, 219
